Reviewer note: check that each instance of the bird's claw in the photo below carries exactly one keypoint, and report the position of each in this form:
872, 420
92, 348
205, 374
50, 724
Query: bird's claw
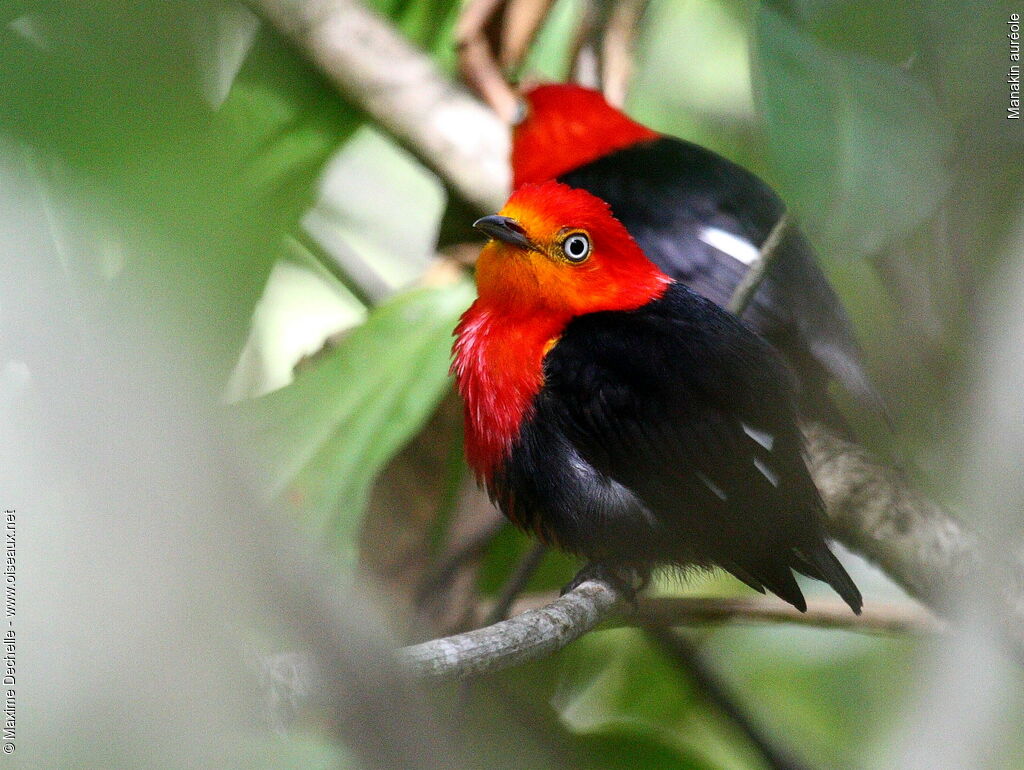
627, 580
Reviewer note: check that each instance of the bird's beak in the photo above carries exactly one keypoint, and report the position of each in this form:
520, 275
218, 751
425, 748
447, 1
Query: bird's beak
504, 229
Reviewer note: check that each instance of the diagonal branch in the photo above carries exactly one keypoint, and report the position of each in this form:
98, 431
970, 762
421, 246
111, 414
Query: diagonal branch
516, 583
477, 63
531, 636
617, 49
545, 625
745, 290
688, 657
874, 511
403, 91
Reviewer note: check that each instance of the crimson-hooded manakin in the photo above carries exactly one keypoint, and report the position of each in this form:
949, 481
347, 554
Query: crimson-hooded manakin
702, 219
617, 414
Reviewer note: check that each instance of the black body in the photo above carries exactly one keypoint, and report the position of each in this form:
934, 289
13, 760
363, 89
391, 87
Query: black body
667, 191
667, 435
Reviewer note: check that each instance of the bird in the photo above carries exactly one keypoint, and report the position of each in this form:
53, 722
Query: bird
703, 220
616, 414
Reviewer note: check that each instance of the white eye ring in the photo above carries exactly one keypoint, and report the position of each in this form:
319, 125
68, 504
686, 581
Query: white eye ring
576, 247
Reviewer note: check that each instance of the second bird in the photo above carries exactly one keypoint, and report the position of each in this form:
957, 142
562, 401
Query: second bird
702, 219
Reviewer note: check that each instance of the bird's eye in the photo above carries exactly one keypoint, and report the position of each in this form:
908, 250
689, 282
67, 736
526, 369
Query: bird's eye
576, 247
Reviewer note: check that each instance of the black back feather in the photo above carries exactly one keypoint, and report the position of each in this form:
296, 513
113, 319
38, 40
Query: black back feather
667, 435
667, 191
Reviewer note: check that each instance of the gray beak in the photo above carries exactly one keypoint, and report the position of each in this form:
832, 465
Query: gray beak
503, 229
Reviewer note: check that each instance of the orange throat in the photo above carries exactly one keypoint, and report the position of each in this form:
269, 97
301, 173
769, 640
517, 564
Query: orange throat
499, 369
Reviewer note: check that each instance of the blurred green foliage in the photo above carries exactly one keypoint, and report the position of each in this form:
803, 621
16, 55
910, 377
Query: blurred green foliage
324, 438
860, 146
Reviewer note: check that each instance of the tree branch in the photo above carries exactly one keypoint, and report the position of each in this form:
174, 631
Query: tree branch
516, 583
617, 49
876, 618
523, 20
477, 63
403, 91
688, 657
745, 290
543, 626
874, 511
533, 635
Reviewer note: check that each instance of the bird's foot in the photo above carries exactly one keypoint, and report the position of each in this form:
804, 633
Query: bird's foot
626, 579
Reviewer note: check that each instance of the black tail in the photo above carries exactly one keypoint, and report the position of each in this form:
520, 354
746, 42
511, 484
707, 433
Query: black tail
774, 576
814, 560
818, 562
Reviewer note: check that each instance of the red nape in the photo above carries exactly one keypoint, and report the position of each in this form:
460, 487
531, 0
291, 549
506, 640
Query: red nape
565, 127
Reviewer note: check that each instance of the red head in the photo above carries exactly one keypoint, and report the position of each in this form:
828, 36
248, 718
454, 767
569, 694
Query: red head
565, 127
558, 252
555, 253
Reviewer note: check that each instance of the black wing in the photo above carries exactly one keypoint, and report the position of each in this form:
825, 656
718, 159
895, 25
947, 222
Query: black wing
683, 406
702, 219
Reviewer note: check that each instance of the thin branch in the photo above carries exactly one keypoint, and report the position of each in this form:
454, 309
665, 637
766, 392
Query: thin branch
516, 583
751, 281
471, 548
544, 626
523, 20
477, 61
531, 636
585, 66
617, 49
403, 91
876, 617
688, 657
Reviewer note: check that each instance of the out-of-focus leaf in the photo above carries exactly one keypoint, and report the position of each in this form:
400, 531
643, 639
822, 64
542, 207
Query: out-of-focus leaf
321, 441
508, 547
429, 24
624, 749
878, 28
614, 680
792, 676
295, 750
195, 139
860, 145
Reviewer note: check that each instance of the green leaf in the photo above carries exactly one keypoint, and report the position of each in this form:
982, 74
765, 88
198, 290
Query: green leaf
298, 750
192, 139
429, 24
624, 749
824, 690
615, 681
321, 440
860, 146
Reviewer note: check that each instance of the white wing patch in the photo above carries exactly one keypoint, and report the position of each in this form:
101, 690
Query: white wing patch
736, 247
767, 472
717, 490
764, 438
